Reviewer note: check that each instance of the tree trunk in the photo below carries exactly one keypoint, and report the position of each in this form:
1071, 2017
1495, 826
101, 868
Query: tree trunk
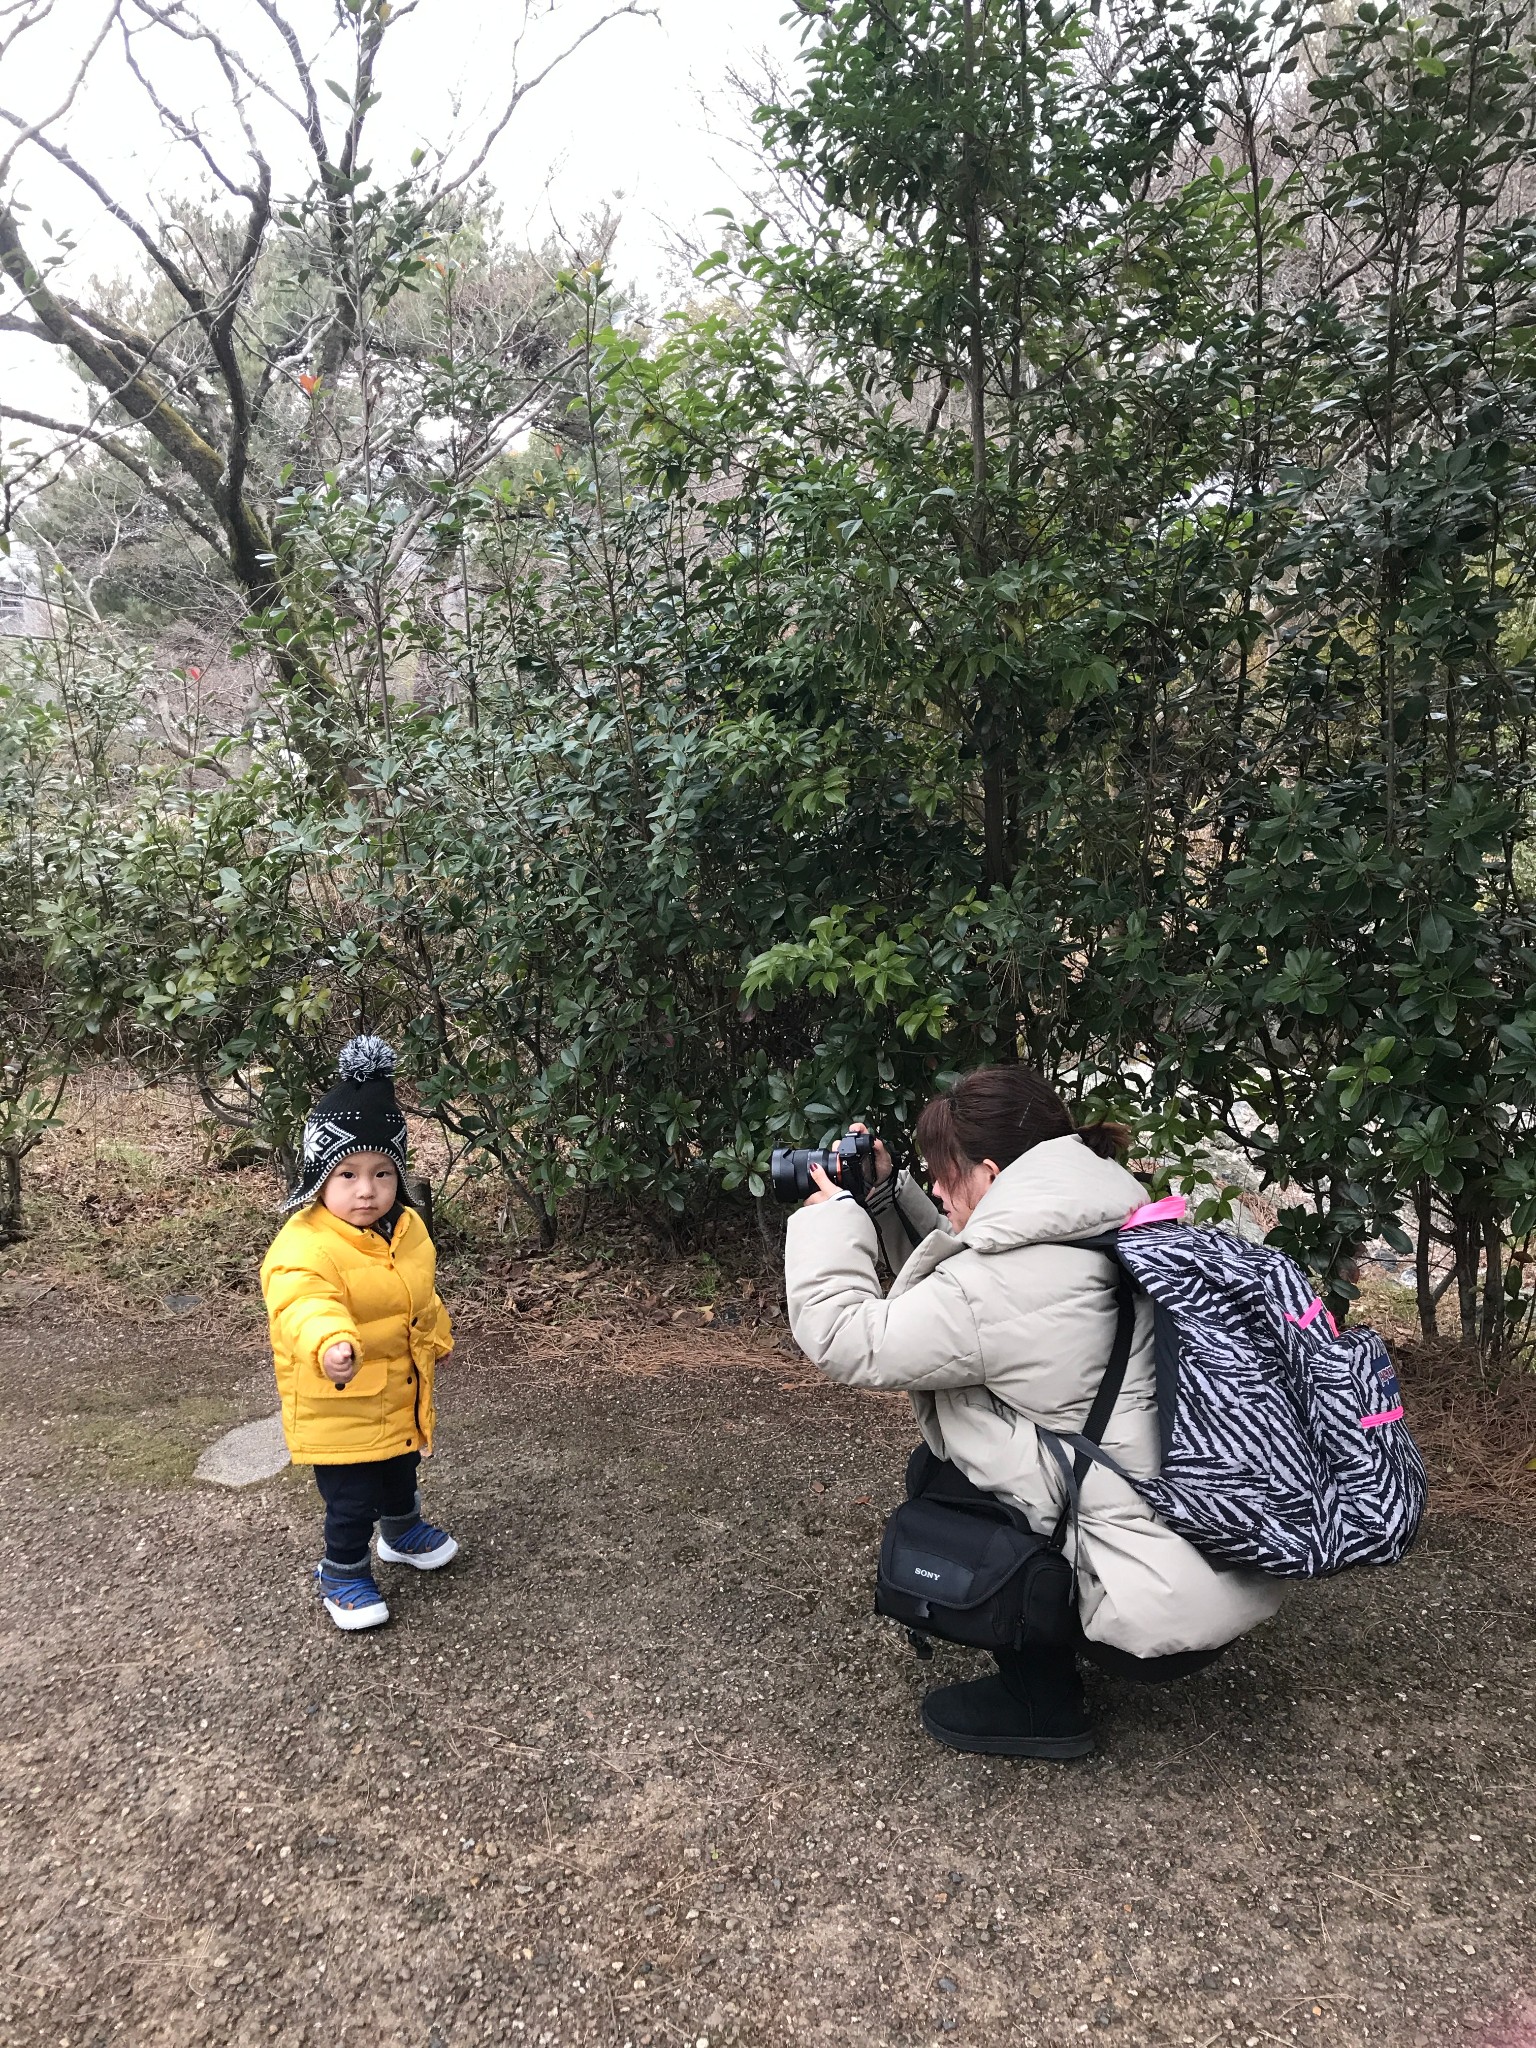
1423, 1202
10, 1197
1467, 1250
1491, 1342
992, 722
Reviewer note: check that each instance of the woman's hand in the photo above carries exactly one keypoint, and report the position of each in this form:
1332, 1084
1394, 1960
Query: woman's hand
826, 1190
884, 1164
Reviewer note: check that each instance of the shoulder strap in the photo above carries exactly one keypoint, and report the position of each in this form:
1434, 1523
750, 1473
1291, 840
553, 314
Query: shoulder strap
1086, 1440
1096, 1454
1119, 1358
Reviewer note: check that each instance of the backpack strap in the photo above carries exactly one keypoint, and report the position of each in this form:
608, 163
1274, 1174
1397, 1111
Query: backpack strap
1086, 1441
1097, 1455
1058, 1451
1114, 1373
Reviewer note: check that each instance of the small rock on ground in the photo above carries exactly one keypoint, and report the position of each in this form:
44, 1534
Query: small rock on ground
254, 1451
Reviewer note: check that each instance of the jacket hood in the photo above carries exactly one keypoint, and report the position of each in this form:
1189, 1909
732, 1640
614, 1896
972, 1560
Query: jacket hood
1054, 1193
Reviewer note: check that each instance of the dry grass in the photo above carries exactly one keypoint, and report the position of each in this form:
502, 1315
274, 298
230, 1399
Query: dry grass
125, 1200
1478, 1435
1477, 1431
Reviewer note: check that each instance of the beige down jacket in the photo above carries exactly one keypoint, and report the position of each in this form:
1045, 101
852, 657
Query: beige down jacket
998, 1328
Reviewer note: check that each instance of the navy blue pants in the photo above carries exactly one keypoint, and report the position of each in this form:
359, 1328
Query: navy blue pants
358, 1496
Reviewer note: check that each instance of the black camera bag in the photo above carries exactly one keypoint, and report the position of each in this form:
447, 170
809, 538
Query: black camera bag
960, 1563
972, 1571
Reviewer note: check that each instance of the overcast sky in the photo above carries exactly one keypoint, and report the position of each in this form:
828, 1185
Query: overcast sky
642, 117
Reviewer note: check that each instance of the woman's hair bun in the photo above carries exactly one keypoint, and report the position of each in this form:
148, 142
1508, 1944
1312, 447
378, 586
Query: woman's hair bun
365, 1059
1109, 1141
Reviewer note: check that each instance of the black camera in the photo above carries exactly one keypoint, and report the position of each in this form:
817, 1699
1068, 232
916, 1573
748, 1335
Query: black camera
842, 1163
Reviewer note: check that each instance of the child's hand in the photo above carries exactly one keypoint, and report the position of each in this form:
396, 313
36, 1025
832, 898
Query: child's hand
339, 1363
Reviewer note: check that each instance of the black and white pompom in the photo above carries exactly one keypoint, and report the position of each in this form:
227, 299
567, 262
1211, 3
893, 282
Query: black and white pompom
365, 1059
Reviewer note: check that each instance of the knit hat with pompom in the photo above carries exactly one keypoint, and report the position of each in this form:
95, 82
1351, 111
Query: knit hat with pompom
360, 1114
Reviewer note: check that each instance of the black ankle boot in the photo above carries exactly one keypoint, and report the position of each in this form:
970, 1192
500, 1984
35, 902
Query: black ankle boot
1033, 1707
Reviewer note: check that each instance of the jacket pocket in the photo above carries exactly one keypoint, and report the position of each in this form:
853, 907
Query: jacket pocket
368, 1382
343, 1422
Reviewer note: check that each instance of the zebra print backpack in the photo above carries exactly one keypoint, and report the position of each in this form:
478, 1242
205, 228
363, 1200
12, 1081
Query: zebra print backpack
1284, 1443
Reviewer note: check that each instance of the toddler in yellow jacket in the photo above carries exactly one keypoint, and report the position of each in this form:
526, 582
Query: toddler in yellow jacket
350, 1285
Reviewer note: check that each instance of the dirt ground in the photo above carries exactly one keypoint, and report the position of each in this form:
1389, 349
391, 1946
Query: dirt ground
643, 1768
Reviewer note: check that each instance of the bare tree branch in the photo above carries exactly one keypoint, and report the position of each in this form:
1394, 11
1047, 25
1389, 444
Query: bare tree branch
310, 119
35, 132
184, 130
140, 395
32, 13
151, 244
130, 460
523, 87
116, 330
190, 30
12, 323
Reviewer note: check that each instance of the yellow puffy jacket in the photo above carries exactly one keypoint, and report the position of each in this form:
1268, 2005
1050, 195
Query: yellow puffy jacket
325, 1282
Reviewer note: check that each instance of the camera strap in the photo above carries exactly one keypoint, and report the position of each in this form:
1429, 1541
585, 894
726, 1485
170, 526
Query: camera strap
914, 1235
888, 1196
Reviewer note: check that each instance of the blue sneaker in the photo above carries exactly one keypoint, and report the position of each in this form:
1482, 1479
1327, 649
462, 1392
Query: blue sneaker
421, 1545
351, 1598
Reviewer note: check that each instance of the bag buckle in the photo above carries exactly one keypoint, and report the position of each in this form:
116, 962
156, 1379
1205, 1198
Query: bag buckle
922, 1647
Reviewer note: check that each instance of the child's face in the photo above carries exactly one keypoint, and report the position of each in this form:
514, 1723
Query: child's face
362, 1189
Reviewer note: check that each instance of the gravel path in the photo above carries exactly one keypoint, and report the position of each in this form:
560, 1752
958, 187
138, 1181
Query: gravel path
643, 1768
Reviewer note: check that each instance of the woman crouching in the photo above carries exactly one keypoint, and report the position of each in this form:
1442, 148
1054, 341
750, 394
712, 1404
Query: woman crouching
997, 1322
